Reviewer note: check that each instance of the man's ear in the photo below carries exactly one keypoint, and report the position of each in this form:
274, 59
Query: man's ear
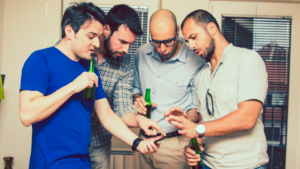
212, 28
69, 32
106, 30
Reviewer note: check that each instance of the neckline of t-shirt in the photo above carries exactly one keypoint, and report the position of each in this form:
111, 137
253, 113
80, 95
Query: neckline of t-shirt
65, 56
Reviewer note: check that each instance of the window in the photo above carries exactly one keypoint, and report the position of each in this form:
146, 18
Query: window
270, 37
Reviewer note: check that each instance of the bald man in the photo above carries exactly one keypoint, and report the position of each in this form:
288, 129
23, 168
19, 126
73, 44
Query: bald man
167, 66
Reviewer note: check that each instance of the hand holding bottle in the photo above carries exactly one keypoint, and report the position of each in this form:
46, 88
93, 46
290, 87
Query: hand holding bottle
192, 153
143, 105
85, 80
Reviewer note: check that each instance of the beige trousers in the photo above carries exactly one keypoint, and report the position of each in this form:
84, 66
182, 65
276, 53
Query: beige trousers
169, 155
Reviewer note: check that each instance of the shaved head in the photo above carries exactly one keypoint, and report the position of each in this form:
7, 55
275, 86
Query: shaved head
162, 19
164, 29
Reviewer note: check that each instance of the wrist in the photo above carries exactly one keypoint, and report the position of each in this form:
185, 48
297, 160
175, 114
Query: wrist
140, 117
136, 143
200, 130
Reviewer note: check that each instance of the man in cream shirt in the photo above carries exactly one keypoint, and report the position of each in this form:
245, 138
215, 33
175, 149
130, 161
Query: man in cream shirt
231, 89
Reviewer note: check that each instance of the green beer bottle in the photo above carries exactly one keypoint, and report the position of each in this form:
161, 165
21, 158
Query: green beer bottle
89, 93
195, 147
148, 103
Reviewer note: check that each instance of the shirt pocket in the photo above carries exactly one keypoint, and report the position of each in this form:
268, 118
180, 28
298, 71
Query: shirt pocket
179, 85
226, 91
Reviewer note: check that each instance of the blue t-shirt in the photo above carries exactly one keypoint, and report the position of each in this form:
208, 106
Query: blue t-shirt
62, 139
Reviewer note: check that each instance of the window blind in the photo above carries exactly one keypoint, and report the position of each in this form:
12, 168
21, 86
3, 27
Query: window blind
270, 37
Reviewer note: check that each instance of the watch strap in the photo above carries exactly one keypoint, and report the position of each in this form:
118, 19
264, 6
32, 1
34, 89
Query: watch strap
136, 143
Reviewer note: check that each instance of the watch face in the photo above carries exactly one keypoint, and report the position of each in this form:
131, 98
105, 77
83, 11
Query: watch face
200, 129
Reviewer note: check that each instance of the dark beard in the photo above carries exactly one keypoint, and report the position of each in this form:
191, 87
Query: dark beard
109, 51
210, 50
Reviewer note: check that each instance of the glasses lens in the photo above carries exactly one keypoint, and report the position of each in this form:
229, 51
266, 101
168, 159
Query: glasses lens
155, 43
169, 42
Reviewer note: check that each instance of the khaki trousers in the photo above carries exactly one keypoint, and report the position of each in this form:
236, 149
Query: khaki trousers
169, 155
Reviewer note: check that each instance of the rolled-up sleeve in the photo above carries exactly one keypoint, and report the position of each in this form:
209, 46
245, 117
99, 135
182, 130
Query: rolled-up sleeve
136, 83
252, 79
193, 93
123, 102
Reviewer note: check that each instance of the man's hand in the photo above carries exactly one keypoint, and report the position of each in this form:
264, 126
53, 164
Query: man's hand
176, 111
187, 128
147, 146
146, 124
140, 105
85, 80
191, 157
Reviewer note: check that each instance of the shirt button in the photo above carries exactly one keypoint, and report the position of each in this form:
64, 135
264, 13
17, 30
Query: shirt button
157, 76
176, 82
152, 92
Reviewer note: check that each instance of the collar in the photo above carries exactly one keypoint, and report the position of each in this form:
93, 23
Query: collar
224, 55
181, 55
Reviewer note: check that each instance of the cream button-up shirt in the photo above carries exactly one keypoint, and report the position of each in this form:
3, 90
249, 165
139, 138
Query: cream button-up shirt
240, 76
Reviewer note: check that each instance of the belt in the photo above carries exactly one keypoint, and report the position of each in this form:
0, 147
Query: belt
168, 135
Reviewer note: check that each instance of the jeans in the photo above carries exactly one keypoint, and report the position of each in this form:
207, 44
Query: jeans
100, 157
261, 167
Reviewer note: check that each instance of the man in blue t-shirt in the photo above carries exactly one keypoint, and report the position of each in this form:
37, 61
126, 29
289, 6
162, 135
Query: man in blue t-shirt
51, 96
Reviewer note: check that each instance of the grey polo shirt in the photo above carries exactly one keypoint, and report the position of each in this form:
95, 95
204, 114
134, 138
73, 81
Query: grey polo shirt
240, 76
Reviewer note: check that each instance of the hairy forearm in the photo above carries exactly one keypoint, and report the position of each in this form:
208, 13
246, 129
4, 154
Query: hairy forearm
192, 115
234, 122
39, 107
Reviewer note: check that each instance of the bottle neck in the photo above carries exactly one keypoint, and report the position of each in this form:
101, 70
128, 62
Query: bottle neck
194, 144
91, 69
147, 97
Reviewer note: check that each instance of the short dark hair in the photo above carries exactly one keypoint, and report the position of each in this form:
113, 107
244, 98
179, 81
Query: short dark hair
77, 14
123, 14
201, 16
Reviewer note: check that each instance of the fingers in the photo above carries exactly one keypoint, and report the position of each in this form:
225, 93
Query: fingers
189, 151
175, 120
155, 126
94, 78
201, 147
149, 146
185, 115
148, 131
140, 104
176, 111
191, 157
154, 104
184, 133
177, 124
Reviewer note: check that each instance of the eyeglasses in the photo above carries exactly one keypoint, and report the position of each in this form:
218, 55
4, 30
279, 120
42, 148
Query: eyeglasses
168, 42
211, 113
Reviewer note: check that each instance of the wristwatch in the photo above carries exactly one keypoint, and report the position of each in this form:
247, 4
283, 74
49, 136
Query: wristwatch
200, 130
136, 143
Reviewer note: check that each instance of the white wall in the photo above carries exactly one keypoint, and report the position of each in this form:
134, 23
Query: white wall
23, 33
182, 8
2, 2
